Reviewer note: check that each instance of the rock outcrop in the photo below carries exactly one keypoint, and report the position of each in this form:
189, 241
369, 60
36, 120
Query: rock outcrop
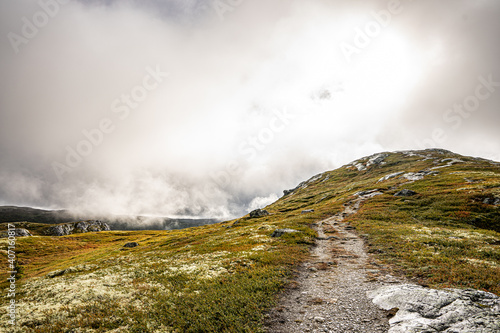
414, 176
422, 309
77, 227
19, 232
258, 213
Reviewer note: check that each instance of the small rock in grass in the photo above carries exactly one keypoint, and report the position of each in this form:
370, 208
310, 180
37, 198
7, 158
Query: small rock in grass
131, 244
281, 232
307, 211
405, 193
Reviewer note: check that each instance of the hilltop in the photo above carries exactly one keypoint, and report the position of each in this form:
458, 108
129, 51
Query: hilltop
429, 217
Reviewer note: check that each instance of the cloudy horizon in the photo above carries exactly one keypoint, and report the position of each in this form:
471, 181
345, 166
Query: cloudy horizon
210, 108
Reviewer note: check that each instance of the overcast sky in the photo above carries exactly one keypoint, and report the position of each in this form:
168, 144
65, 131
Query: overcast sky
212, 108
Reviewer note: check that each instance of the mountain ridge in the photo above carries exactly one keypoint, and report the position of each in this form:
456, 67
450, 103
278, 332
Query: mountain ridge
10, 214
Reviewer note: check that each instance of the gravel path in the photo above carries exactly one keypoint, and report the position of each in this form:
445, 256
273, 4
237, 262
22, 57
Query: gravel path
330, 295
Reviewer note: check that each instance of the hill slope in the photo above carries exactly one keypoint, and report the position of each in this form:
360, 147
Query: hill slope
224, 277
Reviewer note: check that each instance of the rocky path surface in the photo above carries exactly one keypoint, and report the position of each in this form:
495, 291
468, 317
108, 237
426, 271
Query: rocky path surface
330, 295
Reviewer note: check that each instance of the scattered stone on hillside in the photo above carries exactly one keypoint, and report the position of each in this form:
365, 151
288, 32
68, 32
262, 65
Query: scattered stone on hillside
492, 201
413, 176
77, 227
449, 162
131, 244
377, 159
303, 184
389, 176
258, 213
368, 194
307, 211
405, 193
360, 166
430, 310
281, 232
18, 232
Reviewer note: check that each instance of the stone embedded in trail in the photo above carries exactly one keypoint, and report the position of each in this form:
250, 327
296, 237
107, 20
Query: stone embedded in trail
430, 310
405, 193
281, 232
258, 213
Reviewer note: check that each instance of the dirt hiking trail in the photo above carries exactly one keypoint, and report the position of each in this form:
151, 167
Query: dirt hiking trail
330, 291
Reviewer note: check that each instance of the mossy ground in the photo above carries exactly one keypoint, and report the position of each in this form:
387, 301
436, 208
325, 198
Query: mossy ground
224, 277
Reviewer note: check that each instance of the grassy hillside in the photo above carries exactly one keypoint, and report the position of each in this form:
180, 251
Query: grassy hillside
223, 277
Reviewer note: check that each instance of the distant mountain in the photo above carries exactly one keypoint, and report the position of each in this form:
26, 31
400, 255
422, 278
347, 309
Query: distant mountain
117, 222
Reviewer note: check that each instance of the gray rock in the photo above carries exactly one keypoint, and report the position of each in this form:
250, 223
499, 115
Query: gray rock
414, 176
405, 193
376, 159
281, 232
61, 229
258, 213
91, 226
392, 175
492, 201
18, 232
368, 194
77, 227
307, 211
429, 310
131, 244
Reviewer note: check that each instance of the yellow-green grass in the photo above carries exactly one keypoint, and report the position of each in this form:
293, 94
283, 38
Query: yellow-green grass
224, 277
216, 278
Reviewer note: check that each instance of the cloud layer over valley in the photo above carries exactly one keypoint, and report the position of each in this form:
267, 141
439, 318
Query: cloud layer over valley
212, 108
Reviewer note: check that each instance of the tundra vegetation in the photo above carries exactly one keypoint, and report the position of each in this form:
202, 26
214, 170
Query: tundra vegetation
224, 277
